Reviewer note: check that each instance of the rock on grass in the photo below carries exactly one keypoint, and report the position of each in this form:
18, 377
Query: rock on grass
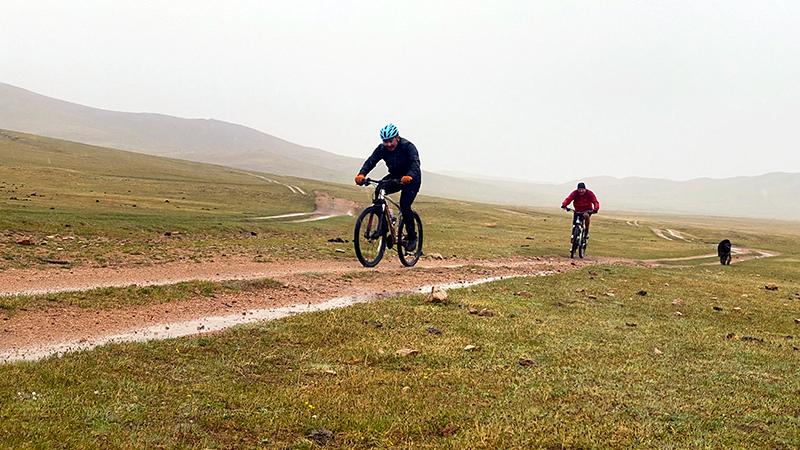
320, 436
406, 352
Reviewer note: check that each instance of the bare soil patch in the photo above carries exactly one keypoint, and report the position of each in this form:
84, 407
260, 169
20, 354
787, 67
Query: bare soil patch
326, 207
303, 282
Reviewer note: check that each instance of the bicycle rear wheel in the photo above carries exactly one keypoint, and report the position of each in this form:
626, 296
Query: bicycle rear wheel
577, 237
409, 258
369, 239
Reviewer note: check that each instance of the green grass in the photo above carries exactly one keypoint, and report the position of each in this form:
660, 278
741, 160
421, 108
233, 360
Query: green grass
691, 262
724, 379
66, 190
83, 212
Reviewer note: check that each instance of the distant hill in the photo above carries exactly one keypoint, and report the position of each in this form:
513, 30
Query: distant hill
202, 140
217, 142
772, 195
765, 196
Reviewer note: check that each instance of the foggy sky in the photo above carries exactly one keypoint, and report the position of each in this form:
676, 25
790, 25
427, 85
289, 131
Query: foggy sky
540, 91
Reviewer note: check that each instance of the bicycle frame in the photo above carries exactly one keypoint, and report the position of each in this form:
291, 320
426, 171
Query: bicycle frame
383, 201
380, 199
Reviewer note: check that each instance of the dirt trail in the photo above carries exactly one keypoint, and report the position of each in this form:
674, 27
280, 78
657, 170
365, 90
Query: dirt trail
742, 254
28, 332
660, 234
31, 334
294, 189
325, 207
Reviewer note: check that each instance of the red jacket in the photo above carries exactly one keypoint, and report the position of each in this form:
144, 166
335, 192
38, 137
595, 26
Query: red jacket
583, 202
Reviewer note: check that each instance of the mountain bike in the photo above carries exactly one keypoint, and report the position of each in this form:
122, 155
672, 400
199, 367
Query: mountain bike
578, 239
377, 227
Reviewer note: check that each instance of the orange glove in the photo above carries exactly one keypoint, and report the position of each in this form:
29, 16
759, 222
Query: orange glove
360, 179
405, 180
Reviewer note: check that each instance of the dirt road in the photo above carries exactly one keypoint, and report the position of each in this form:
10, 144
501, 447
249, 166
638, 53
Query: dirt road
32, 334
36, 333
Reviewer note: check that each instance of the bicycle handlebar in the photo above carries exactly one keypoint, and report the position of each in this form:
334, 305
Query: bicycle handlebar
370, 181
590, 211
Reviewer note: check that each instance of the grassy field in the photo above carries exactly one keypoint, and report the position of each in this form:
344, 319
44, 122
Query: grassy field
568, 367
91, 206
580, 360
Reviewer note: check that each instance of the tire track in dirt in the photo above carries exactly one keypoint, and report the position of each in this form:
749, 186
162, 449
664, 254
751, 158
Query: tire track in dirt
325, 207
743, 254
38, 333
306, 286
660, 234
294, 189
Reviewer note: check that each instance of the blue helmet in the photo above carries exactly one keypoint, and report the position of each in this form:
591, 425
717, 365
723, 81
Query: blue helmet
388, 132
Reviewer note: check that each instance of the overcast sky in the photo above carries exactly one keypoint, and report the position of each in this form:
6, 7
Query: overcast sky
536, 90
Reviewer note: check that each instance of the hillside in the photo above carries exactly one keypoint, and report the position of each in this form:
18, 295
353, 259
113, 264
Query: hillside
209, 141
202, 140
222, 143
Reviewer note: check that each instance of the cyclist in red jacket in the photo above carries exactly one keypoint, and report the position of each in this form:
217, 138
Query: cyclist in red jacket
583, 201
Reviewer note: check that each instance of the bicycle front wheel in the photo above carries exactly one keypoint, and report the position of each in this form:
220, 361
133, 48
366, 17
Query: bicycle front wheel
369, 239
409, 257
577, 236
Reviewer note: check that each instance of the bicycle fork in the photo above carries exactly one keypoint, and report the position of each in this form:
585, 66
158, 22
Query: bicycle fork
373, 230
576, 224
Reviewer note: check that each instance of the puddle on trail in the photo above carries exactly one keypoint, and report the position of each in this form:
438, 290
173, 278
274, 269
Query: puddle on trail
211, 324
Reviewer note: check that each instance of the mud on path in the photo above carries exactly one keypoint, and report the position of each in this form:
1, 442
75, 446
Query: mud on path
26, 334
304, 282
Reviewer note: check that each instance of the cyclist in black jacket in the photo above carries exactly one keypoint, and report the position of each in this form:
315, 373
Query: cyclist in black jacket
402, 160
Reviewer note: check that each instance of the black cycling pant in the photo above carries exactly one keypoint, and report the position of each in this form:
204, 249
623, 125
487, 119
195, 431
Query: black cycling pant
408, 192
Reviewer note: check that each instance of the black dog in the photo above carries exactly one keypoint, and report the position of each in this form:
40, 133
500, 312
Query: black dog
724, 252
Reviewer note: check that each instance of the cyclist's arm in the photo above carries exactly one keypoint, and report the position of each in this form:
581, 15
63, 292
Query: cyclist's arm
569, 199
414, 171
372, 161
595, 203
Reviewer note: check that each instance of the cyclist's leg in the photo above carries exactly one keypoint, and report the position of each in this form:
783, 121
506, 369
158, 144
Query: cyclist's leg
407, 196
586, 218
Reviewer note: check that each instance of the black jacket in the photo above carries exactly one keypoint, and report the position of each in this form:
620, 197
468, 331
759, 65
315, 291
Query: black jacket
402, 161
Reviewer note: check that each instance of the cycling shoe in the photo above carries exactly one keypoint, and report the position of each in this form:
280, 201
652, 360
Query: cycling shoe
412, 244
